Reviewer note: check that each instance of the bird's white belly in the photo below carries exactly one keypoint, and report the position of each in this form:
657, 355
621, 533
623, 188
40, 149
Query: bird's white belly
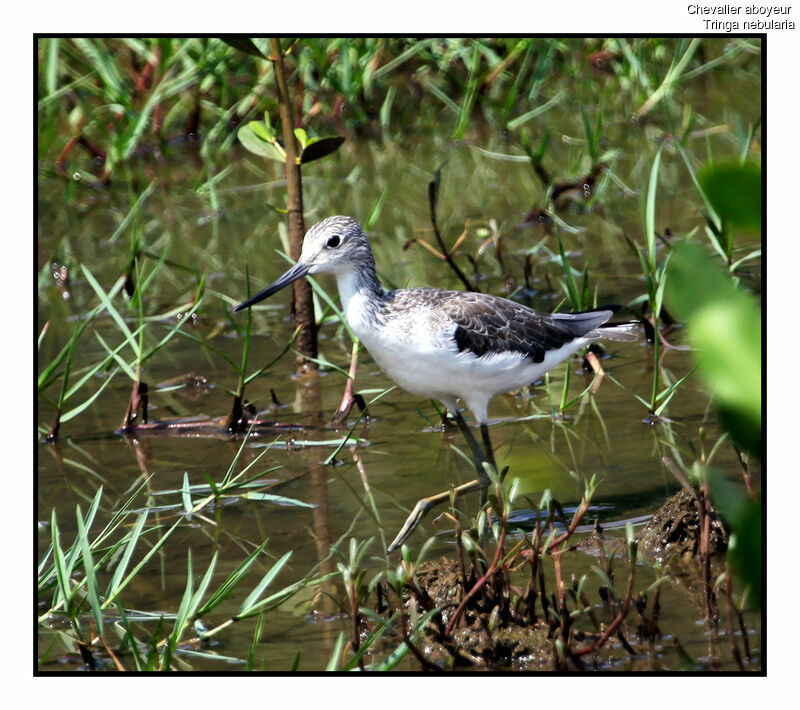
429, 365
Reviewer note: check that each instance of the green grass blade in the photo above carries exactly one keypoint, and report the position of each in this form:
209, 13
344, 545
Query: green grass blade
130, 639
46, 379
268, 578
528, 115
441, 95
251, 656
132, 575
127, 553
116, 357
671, 78
670, 391
186, 494
95, 369
109, 306
75, 411
181, 618
283, 500
51, 65
88, 566
383, 627
414, 49
197, 598
283, 352
231, 582
469, 98
59, 562
336, 654
650, 213
572, 287
175, 329
752, 255
355, 424
132, 212
716, 221
105, 67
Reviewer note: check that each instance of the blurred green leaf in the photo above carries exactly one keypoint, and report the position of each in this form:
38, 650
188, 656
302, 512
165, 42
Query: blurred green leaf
734, 191
742, 515
262, 131
316, 148
243, 44
302, 136
250, 139
724, 326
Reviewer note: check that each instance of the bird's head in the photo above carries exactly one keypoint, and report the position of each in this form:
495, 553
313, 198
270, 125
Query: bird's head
335, 245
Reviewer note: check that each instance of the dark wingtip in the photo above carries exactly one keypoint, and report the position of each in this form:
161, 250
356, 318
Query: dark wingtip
613, 308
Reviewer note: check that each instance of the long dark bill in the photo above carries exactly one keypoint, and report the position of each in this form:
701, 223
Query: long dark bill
296, 272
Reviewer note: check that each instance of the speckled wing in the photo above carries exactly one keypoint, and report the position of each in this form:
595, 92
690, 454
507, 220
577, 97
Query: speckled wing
487, 324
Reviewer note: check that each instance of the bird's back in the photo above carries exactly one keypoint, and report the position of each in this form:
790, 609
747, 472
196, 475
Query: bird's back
483, 324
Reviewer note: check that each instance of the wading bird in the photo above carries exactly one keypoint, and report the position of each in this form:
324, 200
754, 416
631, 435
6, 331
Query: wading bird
445, 345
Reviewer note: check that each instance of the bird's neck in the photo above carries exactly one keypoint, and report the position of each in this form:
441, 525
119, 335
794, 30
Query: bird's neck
359, 289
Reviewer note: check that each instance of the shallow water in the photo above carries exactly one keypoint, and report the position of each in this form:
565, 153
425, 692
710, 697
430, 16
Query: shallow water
404, 453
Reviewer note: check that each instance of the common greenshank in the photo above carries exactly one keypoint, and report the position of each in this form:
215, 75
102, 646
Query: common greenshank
445, 345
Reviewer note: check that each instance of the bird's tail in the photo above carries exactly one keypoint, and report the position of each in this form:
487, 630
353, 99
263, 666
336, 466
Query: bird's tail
592, 324
626, 332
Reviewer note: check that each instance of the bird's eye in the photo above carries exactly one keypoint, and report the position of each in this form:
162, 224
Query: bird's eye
334, 241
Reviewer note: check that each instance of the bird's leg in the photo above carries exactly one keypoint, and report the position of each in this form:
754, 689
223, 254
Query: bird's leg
481, 455
487, 445
477, 452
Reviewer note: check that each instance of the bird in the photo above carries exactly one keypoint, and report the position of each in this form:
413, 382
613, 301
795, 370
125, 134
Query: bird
442, 344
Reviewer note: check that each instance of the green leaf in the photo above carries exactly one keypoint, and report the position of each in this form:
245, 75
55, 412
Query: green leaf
59, 563
336, 654
540, 109
283, 500
734, 190
186, 494
231, 582
268, 578
650, 213
262, 130
105, 299
201, 590
75, 411
88, 566
251, 141
132, 575
317, 148
724, 326
126, 220
742, 515
243, 44
302, 137
130, 546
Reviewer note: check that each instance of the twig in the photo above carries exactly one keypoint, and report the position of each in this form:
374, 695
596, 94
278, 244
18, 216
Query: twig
113, 656
745, 473
481, 582
348, 397
612, 627
445, 251
576, 519
355, 617
743, 629
731, 636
